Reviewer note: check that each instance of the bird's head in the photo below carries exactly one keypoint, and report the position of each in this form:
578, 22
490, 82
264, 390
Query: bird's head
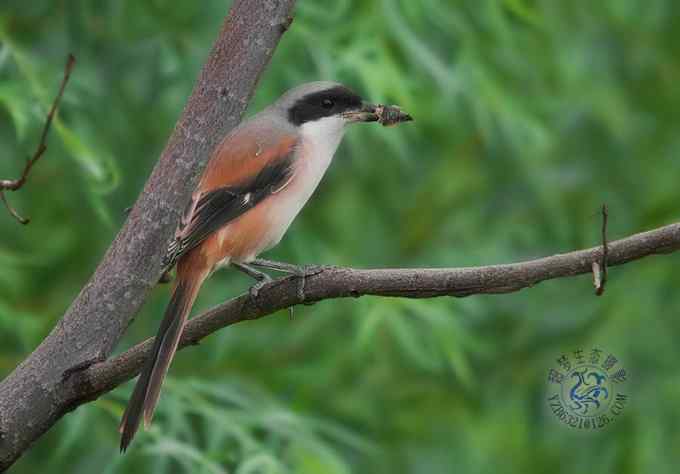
329, 105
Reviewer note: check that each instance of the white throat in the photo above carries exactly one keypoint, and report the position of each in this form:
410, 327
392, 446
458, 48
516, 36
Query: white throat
319, 141
323, 136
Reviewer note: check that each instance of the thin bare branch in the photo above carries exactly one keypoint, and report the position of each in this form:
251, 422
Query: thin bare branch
336, 282
16, 184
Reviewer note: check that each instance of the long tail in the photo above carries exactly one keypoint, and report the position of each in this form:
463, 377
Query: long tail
148, 388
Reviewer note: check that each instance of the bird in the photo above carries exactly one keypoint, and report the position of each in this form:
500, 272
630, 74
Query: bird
255, 183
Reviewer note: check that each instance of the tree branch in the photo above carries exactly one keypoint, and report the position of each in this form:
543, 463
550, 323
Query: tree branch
335, 282
16, 184
33, 397
61, 373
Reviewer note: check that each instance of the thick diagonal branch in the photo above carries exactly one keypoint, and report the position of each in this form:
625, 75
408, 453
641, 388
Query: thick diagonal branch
335, 282
32, 397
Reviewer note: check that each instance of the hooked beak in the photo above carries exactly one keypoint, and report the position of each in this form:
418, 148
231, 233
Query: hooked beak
385, 114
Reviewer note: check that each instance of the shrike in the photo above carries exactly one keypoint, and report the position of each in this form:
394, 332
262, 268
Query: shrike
257, 180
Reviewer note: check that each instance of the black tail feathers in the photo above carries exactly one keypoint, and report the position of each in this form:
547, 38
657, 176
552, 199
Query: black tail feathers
147, 390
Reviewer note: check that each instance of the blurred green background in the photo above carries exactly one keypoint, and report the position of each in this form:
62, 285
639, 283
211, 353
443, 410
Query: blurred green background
529, 115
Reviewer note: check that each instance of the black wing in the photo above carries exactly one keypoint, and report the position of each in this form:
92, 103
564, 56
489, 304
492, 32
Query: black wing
218, 207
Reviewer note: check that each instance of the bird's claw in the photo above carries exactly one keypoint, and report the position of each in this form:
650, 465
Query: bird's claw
254, 290
302, 273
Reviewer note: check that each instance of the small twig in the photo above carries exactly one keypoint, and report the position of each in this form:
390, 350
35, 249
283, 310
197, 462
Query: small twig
597, 277
15, 184
600, 268
12, 212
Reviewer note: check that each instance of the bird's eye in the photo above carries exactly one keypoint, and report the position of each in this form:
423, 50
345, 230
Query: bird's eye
327, 104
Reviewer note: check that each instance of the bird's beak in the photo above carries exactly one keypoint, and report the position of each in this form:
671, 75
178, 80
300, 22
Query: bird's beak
366, 113
385, 114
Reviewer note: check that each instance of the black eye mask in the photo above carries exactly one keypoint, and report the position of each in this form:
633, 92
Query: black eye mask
322, 104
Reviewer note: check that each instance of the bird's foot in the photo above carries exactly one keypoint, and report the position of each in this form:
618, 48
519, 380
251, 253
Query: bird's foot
254, 290
261, 277
302, 272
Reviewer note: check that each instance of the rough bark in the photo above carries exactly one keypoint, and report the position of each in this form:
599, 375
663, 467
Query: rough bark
34, 396
336, 282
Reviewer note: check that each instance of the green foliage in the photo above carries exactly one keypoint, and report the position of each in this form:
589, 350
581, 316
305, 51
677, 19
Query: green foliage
529, 115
